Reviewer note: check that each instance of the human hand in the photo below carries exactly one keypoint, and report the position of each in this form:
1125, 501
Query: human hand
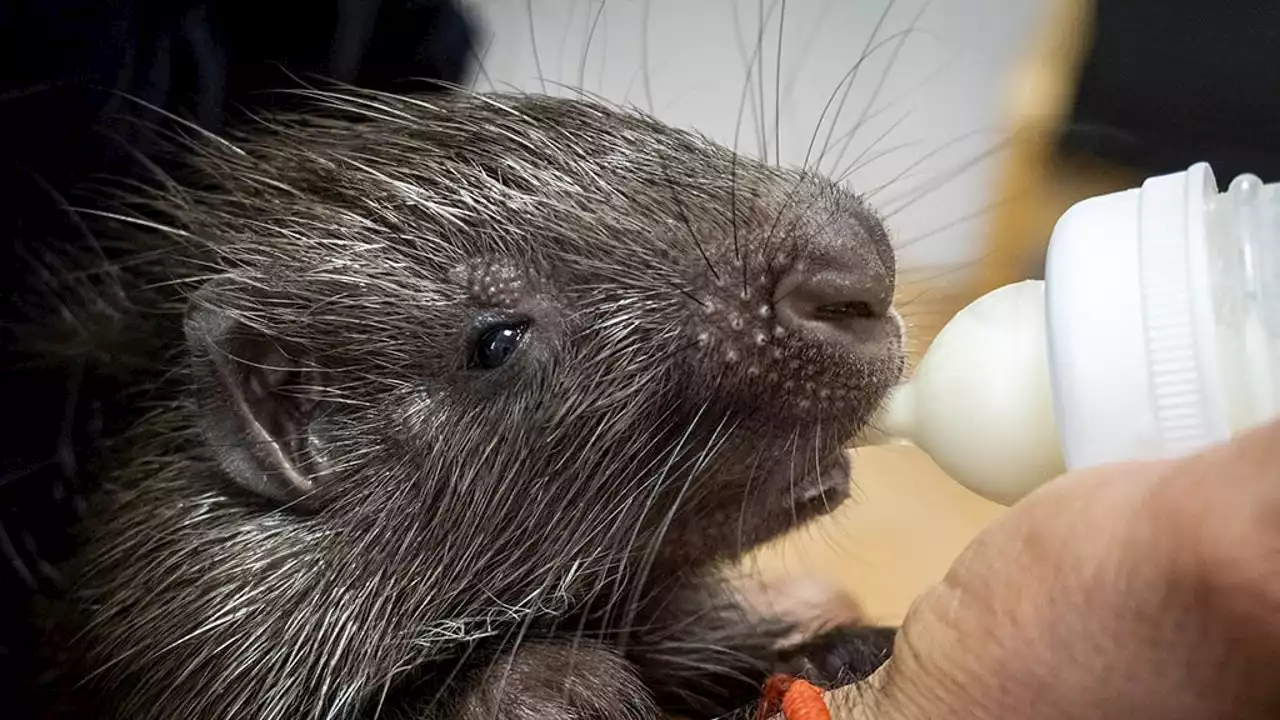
1135, 591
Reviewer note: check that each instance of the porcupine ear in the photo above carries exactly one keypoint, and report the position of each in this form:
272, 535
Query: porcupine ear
253, 410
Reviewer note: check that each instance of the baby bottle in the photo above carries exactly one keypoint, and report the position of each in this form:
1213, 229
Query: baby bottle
1155, 333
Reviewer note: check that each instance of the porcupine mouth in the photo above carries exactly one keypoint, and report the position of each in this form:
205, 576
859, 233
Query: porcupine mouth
820, 492
829, 483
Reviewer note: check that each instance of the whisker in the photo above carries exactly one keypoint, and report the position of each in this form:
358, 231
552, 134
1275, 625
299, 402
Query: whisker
847, 81
644, 54
533, 42
683, 213
941, 182
884, 77
586, 50
777, 90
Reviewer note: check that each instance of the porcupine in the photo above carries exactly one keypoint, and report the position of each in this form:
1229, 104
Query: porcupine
454, 407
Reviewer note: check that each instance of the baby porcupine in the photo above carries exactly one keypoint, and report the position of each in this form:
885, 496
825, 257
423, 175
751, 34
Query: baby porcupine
457, 406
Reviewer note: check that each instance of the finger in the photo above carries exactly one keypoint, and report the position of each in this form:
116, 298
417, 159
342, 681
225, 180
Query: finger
1227, 502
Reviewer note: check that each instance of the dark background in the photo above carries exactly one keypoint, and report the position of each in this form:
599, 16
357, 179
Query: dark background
1168, 83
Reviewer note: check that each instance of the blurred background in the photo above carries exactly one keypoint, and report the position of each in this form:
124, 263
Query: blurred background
905, 97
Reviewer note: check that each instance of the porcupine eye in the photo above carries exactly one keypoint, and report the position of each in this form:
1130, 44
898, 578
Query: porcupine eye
497, 345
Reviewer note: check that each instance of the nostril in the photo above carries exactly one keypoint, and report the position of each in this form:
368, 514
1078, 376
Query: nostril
841, 304
851, 309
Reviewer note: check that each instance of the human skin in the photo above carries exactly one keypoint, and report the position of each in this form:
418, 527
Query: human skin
1132, 591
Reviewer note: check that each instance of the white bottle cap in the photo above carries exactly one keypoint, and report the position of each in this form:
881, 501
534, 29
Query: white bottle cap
1131, 327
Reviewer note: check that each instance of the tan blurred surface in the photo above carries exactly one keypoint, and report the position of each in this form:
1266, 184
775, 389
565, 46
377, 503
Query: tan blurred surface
1035, 185
900, 533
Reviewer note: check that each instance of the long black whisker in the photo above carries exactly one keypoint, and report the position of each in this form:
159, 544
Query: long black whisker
863, 160
884, 77
644, 55
533, 41
805, 49
777, 90
748, 97
687, 294
684, 218
944, 180
850, 78
846, 82
761, 28
847, 136
586, 50
967, 217
917, 163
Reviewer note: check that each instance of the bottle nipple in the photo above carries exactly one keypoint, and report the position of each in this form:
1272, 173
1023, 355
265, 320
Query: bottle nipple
981, 402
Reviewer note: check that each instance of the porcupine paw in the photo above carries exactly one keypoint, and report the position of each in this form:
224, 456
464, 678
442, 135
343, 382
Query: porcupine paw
839, 657
546, 681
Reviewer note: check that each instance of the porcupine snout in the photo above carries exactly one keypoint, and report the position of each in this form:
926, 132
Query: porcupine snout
804, 322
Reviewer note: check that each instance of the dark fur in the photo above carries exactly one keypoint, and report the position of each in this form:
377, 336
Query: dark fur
406, 537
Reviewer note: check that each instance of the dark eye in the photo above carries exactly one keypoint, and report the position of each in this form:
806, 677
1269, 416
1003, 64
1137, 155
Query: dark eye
496, 345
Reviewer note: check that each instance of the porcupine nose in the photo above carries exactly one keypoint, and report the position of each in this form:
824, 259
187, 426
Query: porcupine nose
842, 300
